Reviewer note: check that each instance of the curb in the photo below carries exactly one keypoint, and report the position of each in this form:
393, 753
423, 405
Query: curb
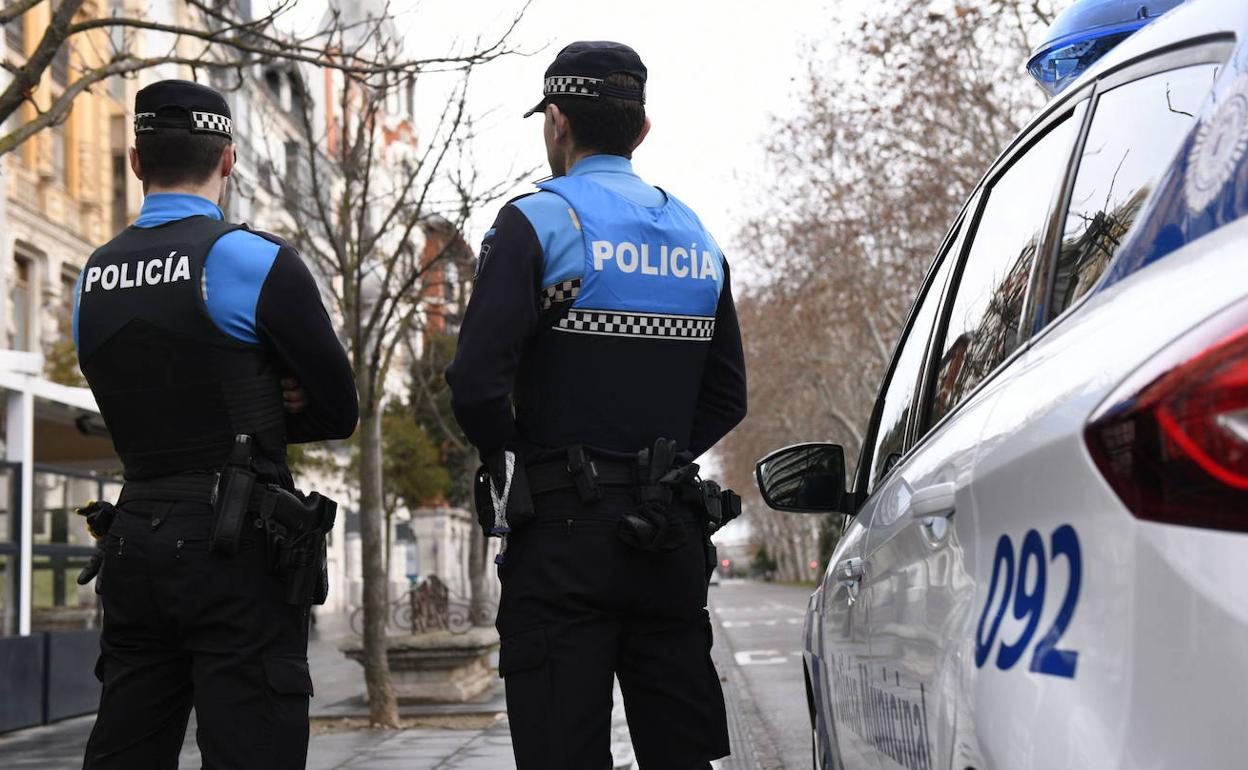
752, 744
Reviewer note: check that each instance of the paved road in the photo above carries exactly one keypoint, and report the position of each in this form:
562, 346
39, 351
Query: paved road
760, 633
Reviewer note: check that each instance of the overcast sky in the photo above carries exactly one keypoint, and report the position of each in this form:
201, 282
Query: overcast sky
718, 71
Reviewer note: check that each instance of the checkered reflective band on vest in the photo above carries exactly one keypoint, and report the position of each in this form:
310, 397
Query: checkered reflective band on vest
172, 387
649, 273
564, 291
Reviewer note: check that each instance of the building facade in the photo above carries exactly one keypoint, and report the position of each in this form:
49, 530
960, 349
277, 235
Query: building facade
64, 192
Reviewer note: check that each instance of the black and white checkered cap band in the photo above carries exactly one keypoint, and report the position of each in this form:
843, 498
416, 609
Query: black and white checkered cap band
571, 85
564, 291
613, 324
204, 122
212, 122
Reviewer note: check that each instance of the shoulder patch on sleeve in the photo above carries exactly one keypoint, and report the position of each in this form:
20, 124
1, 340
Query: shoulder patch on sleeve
486, 245
559, 232
234, 274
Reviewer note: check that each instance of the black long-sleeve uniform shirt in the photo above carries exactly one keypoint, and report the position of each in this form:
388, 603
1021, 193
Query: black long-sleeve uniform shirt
292, 322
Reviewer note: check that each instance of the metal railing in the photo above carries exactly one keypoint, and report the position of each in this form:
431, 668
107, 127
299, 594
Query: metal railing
428, 605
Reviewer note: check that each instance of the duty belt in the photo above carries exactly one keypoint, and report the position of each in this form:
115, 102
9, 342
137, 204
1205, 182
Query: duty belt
620, 476
558, 476
183, 487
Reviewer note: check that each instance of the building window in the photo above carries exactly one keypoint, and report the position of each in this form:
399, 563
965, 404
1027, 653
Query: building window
264, 175
60, 66
294, 175
120, 174
60, 549
297, 99
15, 34
273, 79
19, 300
69, 282
8, 549
60, 151
117, 41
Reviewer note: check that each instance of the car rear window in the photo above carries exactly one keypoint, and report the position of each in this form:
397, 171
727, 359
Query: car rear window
1136, 130
1203, 189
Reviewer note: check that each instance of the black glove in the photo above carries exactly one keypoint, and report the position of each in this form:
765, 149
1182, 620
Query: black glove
99, 516
649, 527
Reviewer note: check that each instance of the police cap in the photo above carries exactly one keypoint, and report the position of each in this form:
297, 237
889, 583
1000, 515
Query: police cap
581, 68
181, 105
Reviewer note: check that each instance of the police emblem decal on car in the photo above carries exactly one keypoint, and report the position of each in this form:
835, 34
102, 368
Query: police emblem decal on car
1220, 143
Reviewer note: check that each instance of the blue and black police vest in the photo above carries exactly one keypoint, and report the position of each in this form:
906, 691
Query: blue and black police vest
172, 387
647, 272
619, 361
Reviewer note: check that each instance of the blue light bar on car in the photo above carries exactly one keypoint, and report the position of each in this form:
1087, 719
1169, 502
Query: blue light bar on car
1085, 32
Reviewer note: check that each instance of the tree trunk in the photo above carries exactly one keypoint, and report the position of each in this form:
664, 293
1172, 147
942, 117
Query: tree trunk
387, 549
383, 709
478, 609
478, 566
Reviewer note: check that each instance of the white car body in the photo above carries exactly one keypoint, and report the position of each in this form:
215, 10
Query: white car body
926, 646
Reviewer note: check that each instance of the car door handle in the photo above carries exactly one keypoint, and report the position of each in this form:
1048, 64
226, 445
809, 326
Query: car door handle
848, 570
938, 500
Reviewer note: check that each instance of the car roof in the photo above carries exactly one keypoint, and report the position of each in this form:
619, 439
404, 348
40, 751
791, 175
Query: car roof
1192, 20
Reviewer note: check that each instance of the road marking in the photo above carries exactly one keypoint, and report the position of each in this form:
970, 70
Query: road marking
760, 658
769, 608
752, 623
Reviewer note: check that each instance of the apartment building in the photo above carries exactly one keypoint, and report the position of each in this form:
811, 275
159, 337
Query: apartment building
62, 192
65, 191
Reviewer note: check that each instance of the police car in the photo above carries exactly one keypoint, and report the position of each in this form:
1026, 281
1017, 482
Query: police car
1047, 561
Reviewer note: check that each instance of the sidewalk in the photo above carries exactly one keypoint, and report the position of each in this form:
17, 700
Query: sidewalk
339, 694
60, 746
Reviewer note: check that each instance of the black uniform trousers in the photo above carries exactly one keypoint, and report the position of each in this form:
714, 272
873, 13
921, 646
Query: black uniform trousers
578, 605
184, 627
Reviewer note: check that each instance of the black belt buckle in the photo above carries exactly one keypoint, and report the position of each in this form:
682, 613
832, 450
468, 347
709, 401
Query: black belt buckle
584, 475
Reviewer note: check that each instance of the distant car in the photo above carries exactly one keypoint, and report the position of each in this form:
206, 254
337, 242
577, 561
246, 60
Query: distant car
1047, 562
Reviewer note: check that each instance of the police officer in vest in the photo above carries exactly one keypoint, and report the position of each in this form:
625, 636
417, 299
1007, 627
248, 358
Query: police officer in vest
599, 355
208, 351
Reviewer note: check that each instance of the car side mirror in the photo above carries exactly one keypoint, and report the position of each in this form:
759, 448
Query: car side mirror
804, 478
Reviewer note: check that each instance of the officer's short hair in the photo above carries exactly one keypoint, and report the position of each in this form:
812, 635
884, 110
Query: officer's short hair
605, 124
170, 158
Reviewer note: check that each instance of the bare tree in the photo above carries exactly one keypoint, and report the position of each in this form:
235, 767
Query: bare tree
895, 131
431, 400
220, 40
361, 198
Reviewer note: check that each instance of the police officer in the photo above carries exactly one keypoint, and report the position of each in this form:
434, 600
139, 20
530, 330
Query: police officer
206, 346
598, 356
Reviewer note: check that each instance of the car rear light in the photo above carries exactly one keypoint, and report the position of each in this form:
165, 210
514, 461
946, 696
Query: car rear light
1173, 440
